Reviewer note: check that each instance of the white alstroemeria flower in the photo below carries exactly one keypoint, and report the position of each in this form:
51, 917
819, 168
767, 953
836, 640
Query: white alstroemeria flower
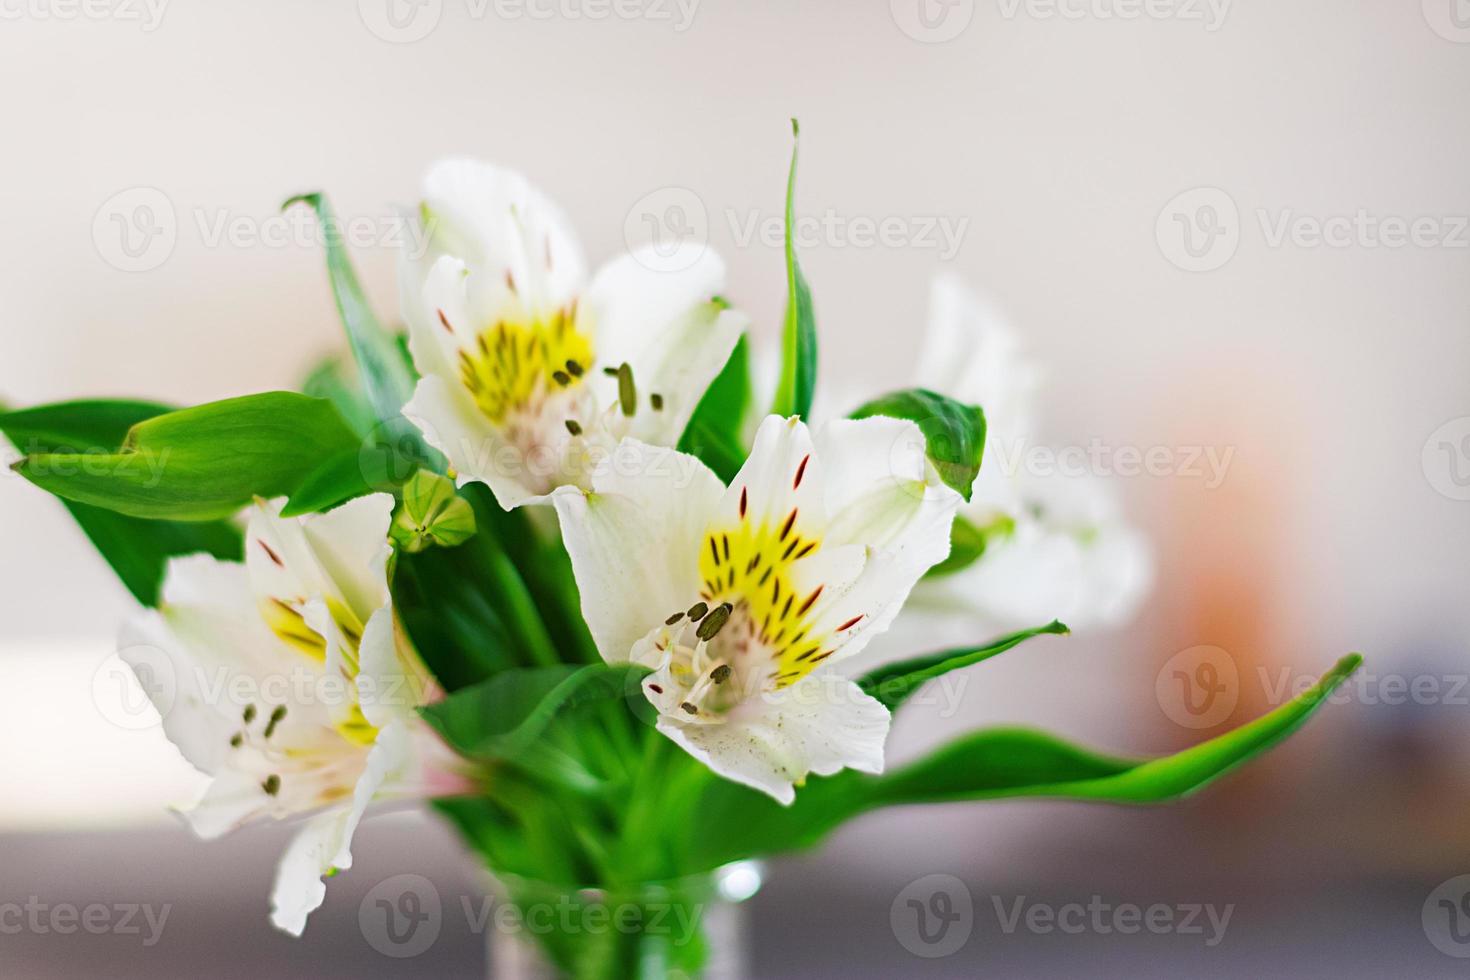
1068, 553
286, 679
741, 599
531, 371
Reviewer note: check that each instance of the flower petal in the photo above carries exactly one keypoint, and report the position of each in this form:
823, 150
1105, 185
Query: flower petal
324, 843
634, 541
819, 725
669, 327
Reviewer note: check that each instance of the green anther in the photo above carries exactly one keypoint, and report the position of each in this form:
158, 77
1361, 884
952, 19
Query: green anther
272, 784
574, 369
721, 674
673, 619
562, 378
697, 611
714, 622
574, 427
627, 393
249, 713
657, 401
275, 719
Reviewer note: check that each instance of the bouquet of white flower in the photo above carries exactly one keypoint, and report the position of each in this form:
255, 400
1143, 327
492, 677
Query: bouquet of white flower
549, 567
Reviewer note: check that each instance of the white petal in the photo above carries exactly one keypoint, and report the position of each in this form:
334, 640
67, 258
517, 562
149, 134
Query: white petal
350, 544
971, 354
783, 473
819, 725
392, 681
476, 450
324, 843
634, 541
668, 328
883, 495
502, 225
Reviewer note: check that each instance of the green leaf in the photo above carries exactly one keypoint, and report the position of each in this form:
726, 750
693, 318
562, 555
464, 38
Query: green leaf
954, 433
993, 764
388, 381
201, 463
505, 715
967, 544
336, 381
893, 683
798, 379
714, 431
137, 550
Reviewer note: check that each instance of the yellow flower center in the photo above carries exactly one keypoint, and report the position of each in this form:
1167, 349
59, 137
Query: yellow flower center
515, 365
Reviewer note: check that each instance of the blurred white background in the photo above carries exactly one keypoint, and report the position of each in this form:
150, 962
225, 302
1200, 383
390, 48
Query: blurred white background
1064, 146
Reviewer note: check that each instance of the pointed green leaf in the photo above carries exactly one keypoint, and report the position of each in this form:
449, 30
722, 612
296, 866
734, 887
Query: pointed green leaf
954, 433
798, 379
893, 683
986, 765
137, 550
386, 378
201, 463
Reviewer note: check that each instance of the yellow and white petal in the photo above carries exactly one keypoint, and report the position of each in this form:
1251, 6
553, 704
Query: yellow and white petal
634, 540
324, 842
817, 726
392, 680
781, 477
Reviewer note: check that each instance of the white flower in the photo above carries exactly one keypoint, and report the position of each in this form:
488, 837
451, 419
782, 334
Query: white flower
289, 684
531, 373
1062, 549
741, 600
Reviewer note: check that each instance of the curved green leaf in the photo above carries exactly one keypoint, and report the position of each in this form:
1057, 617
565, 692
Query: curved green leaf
202, 463
993, 764
137, 550
798, 379
504, 716
893, 683
954, 433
